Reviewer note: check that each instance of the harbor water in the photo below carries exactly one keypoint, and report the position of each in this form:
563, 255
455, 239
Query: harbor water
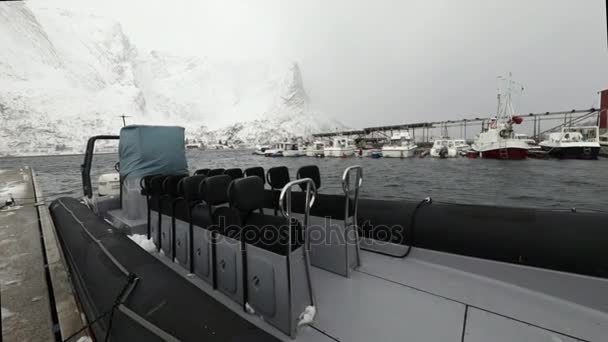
563, 184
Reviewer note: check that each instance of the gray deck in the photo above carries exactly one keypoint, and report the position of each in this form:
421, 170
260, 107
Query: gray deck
26, 314
432, 296
25, 295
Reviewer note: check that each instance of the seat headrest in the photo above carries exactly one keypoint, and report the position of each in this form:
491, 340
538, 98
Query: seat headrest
312, 172
235, 173
278, 177
189, 188
170, 185
156, 185
202, 172
144, 183
256, 171
247, 194
214, 189
215, 172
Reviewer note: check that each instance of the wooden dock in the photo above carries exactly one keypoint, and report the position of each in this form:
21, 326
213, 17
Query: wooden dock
37, 299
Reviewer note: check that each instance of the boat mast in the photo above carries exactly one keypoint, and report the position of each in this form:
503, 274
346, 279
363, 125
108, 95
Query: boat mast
505, 105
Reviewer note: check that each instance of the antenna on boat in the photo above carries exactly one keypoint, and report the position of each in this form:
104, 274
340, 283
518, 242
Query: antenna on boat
505, 106
124, 122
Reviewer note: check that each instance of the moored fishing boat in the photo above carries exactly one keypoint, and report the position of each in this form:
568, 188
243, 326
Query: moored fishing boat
573, 143
399, 146
340, 147
497, 140
316, 149
444, 148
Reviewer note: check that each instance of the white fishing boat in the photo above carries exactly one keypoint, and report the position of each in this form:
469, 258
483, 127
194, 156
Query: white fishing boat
444, 148
367, 151
276, 150
604, 145
316, 149
340, 147
573, 143
497, 140
293, 150
193, 146
532, 144
400, 146
261, 150
461, 145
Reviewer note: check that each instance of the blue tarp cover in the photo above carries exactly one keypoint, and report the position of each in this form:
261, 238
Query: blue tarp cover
148, 150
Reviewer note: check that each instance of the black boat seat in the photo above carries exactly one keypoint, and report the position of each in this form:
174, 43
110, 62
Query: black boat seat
170, 196
256, 171
171, 192
144, 183
216, 172
277, 177
188, 244
312, 172
190, 196
325, 205
264, 231
235, 173
202, 172
214, 192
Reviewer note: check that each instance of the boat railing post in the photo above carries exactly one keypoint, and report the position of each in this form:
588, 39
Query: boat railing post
346, 187
285, 197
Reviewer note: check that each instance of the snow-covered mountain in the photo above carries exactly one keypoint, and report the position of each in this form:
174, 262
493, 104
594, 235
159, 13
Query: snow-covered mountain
65, 76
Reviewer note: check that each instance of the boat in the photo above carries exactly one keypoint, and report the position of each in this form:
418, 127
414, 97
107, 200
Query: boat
276, 150
444, 148
580, 142
461, 146
177, 257
340, 147
368, 152
293, 150
497, 140
261, 150
399, 146
316, 149
532, 144
604, 145
193, 146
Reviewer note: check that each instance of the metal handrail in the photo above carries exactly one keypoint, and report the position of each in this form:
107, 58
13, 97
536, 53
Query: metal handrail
286, 193
285, 196
347, 192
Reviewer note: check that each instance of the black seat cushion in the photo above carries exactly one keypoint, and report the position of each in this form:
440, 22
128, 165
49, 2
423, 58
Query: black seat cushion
325, 205
235, 173
144, 183
214, 189
256, 171
247, 194
202, 172
171, 185
189, 188
278, 177
227, 221
156, 185
312, 172
216, 172
271, 232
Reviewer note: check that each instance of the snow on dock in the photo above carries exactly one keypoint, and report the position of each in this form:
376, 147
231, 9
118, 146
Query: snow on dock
38, 303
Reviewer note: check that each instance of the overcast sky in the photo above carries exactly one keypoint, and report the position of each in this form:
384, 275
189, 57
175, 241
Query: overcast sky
373, 62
